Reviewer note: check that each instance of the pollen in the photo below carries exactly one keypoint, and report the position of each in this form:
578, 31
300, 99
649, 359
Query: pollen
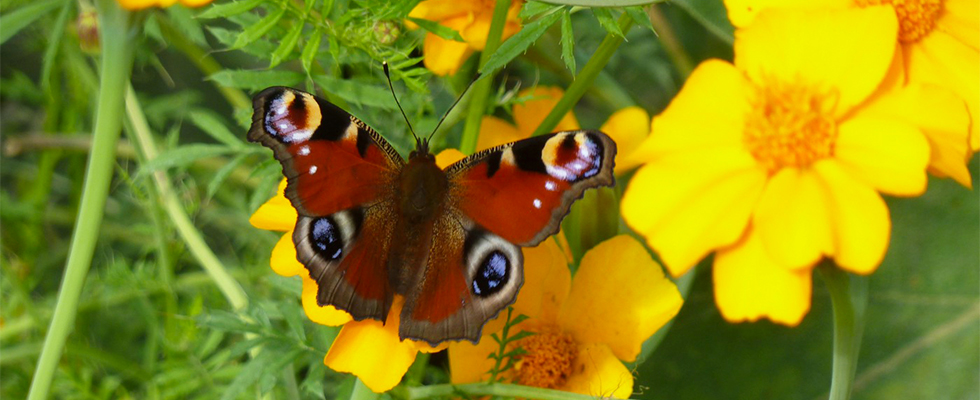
916, 18
547, 361
790, 124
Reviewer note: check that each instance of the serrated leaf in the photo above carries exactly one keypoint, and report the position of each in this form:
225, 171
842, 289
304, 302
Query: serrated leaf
225, 10
253, 32
518, 43
182, 19
14, 21
310, 50
213, 126
258, 48
533, 8
358, 93
518, 319
608, 21
567, 41
287, 44
640, 17
228, 322
222, 173
256, 80
437, 29
520, 335
182, 156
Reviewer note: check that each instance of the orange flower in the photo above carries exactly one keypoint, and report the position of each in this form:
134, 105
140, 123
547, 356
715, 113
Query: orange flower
134, 5
471, 18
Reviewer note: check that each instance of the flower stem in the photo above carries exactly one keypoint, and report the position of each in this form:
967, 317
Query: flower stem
583, 81
492, 389
481, 89
665, 33
849, 295
118, 45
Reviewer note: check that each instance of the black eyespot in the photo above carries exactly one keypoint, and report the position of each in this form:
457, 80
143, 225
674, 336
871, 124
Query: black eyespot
327, 241
493, 274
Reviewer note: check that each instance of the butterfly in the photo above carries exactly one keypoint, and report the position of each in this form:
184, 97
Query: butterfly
372, 224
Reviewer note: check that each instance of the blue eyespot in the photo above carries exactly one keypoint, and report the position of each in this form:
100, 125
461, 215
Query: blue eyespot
326, 239
492, 275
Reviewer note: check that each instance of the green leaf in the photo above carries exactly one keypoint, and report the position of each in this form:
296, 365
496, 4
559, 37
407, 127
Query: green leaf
640, 17
225, 10
310, 50
712, 15
251, 33
287, 44
259, 48
567, 41
533, 8
438, 30
357, 93
14, 21
212, 125
182, 156
519, 43
604, 3
256, 80
183, 19
608, 21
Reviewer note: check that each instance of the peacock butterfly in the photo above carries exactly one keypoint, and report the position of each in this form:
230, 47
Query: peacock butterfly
372, 225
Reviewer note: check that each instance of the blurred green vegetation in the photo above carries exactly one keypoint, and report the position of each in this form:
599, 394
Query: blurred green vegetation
153, 325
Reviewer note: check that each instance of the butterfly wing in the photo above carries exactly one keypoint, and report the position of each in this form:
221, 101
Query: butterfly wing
339, 177
501, 198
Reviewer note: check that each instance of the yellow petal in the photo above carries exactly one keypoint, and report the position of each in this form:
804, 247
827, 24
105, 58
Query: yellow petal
961, 20
627, 127
690, 204
889, 155
133, 5
859, 218
283, 259
325, 315
372, 352
845, 51
742, 12
619, 297
793, 219
941, 116
749, 285
444, 57
276, 214
195, 3
495, 131
448, 156
468, 362
597, 373
529, 114
437, 10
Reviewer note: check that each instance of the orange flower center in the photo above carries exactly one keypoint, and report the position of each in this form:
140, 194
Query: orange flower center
916, 18
790, 124
547, 361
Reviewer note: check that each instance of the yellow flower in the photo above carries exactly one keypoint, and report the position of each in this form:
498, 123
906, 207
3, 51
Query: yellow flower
134, 5
583, 327
777, 161
939, 43
471, 18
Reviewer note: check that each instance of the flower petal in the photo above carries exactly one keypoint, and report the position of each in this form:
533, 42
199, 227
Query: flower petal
495, 131
859, 219
283, 260
690, 204
437, 10
276, 214
598, 373
448, 156
444, 57
323, 315
529, 114
793, 219
887, 154
961, 20
742, 12
846, 51
628, 128
619, 297
749, 285
469, 362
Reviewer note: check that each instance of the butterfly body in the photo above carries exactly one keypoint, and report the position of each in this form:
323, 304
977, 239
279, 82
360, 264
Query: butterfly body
372, 225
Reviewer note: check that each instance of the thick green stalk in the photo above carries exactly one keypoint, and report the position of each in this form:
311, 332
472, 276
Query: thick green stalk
585, 78
849, 295
118, 42
481, 89
494, 390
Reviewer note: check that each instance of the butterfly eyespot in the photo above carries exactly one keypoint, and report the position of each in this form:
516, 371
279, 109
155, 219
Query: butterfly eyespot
326, 238
492, 275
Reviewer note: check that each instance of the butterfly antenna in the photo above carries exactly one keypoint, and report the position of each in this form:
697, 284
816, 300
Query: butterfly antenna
390, 86
446, 114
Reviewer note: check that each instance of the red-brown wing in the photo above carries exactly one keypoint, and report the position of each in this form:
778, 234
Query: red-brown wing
332, 161
522, 190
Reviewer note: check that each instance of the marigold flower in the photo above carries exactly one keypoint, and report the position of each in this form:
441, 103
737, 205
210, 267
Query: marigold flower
134, 5
583, 326
939, 43
777, 161
471, 18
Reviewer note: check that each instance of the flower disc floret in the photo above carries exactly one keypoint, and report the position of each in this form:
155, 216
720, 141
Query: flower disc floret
916, 18
548, 359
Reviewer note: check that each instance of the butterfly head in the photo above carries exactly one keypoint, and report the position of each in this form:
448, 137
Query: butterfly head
422, 150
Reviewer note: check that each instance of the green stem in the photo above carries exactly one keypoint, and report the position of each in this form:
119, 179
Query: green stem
481, 89
227, 284
492, 389
118, 43
849, 295
586, 77
675, 50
